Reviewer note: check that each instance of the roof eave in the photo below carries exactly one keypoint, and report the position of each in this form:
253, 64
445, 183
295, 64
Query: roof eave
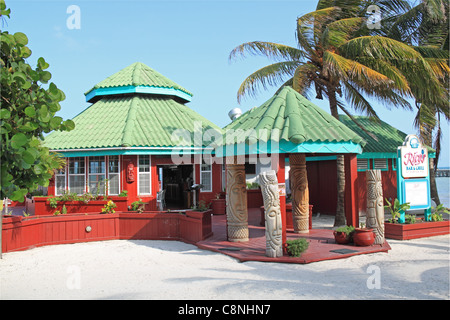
96, 93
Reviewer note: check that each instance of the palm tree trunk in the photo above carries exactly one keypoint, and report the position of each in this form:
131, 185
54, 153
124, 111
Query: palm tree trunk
433, 188
339, 219
426, 135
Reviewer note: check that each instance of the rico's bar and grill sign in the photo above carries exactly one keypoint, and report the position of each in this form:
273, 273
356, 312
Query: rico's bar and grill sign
413, 176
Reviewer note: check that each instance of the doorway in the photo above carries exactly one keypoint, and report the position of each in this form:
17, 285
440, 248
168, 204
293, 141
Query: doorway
176, 181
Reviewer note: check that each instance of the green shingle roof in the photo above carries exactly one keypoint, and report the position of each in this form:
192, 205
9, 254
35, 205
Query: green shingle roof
137, 75
128, 121
389, 138
297, 119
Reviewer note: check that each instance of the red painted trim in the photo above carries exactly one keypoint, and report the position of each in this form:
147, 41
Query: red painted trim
351, 190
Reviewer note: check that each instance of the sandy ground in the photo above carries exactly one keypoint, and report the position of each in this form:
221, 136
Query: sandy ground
119, 269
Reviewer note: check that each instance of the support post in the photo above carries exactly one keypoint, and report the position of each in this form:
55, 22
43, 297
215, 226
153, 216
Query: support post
272, 214
236, 199
351, 190
375, 208
299, 192
279, 167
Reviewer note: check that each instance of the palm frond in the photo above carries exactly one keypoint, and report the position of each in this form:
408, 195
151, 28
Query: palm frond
276, 51
357, 100
390, 71
310, 26
340, 31
345, 69
342, 107
378, 47
303, 77
271, 75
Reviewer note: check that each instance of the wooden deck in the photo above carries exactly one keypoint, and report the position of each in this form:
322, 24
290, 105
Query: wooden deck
321, 243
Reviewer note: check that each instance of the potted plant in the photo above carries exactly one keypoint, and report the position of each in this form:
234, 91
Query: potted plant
109, 207
363, 236
344, 235
138, 206
295, 248
396, 209
437, 213
218, 205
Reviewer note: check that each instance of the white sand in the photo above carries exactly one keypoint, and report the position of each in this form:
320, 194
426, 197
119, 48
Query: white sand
119, 269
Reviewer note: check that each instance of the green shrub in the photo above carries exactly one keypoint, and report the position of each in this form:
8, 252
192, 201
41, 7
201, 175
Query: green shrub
137, 206
296, 247
410, 218
124, 193
346, 229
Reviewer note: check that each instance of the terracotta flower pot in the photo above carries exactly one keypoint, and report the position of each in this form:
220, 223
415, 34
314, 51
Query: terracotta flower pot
341, 237
363, 237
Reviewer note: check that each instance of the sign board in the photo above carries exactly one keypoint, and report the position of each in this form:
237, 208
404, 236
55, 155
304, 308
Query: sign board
416, 193
414, 158
413, 176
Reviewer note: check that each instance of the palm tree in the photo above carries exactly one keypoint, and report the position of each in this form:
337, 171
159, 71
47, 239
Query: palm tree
425, 27
335, 58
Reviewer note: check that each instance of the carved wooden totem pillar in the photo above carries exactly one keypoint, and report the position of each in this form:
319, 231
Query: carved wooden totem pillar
299, 193
237, 214
272, 213
375, 208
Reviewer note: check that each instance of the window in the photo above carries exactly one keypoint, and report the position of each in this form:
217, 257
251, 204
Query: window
113, 175
97, 175
362, 164
380, 164
77, 171
60, 181
224, 179
144, 176
206, 177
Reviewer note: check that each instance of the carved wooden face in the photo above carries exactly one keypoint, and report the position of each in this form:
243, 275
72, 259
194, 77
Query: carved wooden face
273, 225
237, 195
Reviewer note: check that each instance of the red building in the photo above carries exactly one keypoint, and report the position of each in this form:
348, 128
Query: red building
126, 140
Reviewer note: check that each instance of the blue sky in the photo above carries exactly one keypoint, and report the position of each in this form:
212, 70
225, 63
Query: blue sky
187, 41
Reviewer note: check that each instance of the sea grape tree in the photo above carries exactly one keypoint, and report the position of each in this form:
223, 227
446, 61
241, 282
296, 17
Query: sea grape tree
28, 111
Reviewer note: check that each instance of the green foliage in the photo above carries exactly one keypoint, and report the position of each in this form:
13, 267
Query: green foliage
438, 211
64, 210
296, 247
396, 208
252, 185
137, 206
436, 216
124, 193
27, 112
410, 218
346, 229
67, 196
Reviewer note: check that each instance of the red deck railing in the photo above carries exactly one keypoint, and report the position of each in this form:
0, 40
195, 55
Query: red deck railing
21, 233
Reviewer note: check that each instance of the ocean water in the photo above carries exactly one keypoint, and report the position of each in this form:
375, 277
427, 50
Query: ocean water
443, 186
